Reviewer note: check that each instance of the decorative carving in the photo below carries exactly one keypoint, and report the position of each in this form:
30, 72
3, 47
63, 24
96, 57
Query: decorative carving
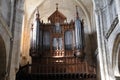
57, 17
60, 58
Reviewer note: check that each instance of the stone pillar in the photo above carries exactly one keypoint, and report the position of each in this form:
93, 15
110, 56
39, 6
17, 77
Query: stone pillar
101, 46
17, 30
118, 12
98, 67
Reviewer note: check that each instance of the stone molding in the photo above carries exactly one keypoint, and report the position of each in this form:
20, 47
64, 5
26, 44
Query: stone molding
112, 27
5, 26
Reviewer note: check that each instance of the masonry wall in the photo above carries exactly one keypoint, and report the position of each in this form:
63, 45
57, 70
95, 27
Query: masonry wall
11, 13
108, 28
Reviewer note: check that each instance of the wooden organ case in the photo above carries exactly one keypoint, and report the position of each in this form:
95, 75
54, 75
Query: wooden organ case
53, 48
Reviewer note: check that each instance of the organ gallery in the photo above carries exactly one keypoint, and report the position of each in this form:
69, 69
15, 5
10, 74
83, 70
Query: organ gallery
57, 49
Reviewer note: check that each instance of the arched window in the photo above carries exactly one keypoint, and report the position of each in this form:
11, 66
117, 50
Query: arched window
116, 56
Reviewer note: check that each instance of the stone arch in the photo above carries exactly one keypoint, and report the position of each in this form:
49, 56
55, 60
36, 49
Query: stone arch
80, 4
27, 29
2, 58
116, 56
86, 14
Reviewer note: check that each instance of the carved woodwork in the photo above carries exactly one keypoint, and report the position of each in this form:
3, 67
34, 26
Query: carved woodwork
58, 61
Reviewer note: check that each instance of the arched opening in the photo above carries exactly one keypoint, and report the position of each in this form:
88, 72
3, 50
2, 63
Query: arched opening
69, 11
116, 56
2, 59
45, 11
67, 41
119, 59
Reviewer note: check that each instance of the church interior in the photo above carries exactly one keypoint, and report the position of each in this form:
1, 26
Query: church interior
59, 40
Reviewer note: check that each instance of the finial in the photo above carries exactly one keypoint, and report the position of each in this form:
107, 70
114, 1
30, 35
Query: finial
56, 6
37, 13
77, 16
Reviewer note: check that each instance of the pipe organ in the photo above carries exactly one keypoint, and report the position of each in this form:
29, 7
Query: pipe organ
54, 44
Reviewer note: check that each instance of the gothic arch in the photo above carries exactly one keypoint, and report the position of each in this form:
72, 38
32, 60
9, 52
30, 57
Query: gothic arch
80, 4
86, 13
2, 58
31, 16
116, 56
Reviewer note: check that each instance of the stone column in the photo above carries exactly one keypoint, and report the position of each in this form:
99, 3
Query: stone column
17, 30
118, 12
101, 46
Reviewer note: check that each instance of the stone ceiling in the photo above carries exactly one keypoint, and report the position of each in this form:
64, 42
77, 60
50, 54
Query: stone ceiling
67, 7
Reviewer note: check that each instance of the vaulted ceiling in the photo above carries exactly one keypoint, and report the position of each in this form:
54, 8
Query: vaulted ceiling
31, 5
67, 7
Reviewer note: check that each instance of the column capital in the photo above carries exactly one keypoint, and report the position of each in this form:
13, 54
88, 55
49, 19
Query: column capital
98, 11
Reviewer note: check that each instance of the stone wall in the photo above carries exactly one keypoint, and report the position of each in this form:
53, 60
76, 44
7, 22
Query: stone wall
108, 28
11, 12
17, 33
4, 28
105, 12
